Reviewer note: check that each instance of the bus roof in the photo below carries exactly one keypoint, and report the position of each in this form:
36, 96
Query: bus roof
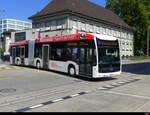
105, 37
64, 38
25, 42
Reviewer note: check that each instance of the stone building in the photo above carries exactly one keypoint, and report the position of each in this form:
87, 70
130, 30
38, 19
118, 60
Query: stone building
62, 17
6, 27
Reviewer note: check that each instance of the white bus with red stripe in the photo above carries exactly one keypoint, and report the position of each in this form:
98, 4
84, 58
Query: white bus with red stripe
81, 54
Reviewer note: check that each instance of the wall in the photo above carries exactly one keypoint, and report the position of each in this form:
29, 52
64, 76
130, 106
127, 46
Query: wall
64, 24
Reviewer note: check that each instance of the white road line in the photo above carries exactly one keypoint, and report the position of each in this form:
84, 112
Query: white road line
126, 81
88, 91
75, 95
116, 84
102, 88
131, 79
125, 94
109, 86
121, 82
57, 100
36, 106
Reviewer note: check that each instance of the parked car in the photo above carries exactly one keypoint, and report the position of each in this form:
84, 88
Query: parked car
139, 53
5, 57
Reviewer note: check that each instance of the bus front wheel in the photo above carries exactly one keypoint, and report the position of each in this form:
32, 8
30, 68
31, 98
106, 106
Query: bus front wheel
72, 71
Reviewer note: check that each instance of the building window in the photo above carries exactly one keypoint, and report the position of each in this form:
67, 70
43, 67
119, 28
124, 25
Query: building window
20, 36
90, 28
27, 24
83, 26
11, 26
48, 24
19, 27
97, 29
107, 31
74, 23
119, 34
110, 31
103, 30
53, 25
19, 23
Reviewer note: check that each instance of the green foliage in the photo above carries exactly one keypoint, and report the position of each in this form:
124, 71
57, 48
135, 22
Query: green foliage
136, 13
2, 51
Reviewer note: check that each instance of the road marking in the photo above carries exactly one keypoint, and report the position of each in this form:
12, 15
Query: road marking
103, 89
116, 84
11, 68
108, 86
75, 95
16, 67
121, 82
125, 94
36, 106
57, 100
51, 102
8, 68
142, 77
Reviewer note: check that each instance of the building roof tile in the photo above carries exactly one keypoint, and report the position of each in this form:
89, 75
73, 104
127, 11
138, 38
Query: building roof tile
82, 7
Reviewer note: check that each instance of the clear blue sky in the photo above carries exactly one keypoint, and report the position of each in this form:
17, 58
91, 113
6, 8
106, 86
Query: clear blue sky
22, 9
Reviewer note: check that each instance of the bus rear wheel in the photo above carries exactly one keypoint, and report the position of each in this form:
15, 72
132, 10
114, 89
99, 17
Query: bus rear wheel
38, 65
18, 63
72, 71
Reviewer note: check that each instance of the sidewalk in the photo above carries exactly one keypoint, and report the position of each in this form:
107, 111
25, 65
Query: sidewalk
126, 61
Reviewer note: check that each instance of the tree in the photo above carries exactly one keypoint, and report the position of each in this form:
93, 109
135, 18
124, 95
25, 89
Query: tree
2, 51
136, 13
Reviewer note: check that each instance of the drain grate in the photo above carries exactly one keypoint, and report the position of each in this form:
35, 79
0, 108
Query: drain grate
7, 90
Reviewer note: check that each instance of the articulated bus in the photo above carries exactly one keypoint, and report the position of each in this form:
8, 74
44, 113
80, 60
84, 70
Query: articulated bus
81, 54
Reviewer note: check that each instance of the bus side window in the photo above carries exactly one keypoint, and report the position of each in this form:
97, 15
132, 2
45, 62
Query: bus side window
89, 55
52, 53
18, 51
75, 54
26, 52
82, 55
56, 54
94, 57
67, 54
38, 52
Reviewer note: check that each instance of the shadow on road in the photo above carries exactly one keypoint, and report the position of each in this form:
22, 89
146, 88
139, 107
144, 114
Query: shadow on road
96, 79
137, 68
85, 78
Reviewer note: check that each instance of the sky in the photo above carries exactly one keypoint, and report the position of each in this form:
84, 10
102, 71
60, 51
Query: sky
22, 9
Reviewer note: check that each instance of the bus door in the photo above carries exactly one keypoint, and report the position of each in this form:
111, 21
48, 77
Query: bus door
13, 55
45, 56
85, 63
22, 55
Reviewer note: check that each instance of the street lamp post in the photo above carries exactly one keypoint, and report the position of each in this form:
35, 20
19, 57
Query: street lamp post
1, 11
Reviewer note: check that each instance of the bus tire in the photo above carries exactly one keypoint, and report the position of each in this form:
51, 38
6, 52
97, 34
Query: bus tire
71, 71
18, 63
38, 65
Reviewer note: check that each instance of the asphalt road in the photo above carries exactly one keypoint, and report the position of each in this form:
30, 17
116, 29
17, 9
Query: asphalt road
25, 89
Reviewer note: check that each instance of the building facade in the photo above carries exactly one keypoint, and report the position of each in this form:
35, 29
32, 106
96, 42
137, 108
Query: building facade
13, 24
10, 24
62, 17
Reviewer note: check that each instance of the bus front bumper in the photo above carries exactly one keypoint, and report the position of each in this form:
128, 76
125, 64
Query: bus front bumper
104, 75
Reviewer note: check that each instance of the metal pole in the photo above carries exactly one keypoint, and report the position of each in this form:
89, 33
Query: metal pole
1, 11
148, 42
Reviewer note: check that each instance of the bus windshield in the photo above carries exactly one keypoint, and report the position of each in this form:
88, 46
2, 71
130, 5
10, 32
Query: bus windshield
108, 56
